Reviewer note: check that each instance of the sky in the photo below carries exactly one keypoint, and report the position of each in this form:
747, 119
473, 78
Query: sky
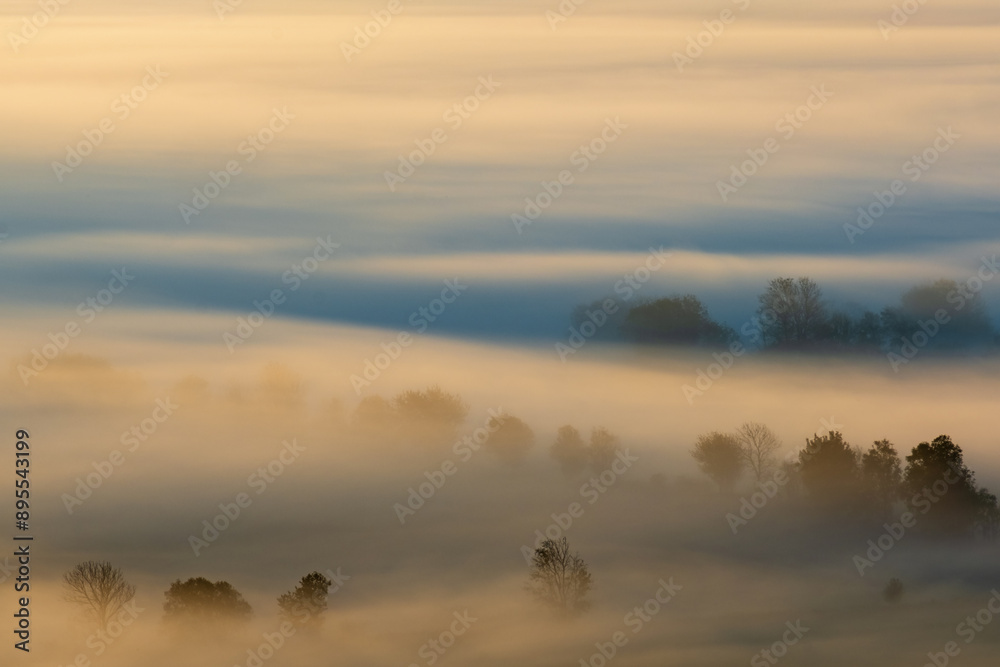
682, 128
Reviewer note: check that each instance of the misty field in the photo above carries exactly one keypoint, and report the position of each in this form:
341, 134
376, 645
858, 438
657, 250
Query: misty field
342, 502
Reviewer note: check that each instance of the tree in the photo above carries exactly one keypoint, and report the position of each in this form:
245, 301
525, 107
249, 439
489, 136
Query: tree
569, 450
720, 457
938, 468
829, 470
882, 475
306, 603
758, 444
988, 516
792, 313
603, 449
845, 332
431, 417
373, 413
559, 578
200, 601
511, 440
680, 320
100, 588
431, 405
965, 326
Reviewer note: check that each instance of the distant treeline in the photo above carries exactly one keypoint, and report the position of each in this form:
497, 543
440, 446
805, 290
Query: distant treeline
792, 315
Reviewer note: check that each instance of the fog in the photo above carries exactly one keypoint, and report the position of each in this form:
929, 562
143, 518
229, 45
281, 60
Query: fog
333, 507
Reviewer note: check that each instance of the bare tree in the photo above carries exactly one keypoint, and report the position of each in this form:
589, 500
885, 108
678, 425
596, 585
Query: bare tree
792, 312
759, 444
559, 578
100, 588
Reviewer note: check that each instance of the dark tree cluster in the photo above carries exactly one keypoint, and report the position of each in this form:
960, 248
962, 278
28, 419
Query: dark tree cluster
792, 315
845, 482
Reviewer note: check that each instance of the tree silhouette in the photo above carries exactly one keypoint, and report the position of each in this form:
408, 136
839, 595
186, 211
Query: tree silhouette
758, 444
559, 578
988, 515
373, 414
829, 470
792, 313
306, 603
681, 320
966, 326
100, 588
200, 601
570, 451
511, 440
430, 417
720, 457
431, 405
882, 475
603, 449
938, 467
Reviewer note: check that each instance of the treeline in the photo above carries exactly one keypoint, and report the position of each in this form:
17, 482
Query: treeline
433, 417
834, 479
792, 315
106, 599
